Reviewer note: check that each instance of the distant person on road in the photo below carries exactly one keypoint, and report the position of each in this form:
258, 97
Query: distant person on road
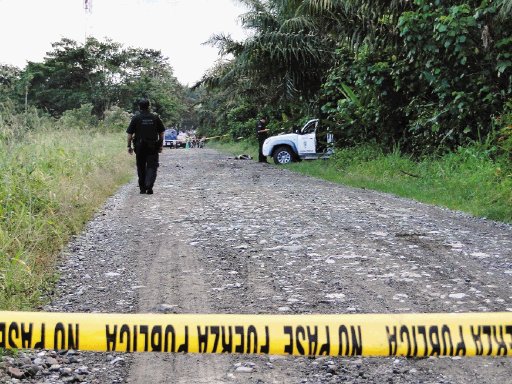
146, 131
262, 133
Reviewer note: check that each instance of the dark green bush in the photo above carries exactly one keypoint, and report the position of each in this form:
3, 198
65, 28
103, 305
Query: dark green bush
437, 89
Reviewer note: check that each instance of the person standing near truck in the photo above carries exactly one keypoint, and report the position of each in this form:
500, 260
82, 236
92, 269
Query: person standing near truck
262, 134
146, 131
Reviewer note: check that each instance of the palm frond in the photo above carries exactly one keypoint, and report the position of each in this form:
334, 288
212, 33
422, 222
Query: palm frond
297, 24
255, 5
259, 21
225, 44
505, 7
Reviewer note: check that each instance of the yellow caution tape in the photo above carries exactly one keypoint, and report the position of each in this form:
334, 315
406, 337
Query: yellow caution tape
412, 335
215, 137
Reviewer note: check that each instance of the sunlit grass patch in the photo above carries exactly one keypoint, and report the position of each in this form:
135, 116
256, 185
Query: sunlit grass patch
52, 182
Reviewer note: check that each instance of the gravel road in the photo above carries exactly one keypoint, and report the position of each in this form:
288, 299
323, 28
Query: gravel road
234, 236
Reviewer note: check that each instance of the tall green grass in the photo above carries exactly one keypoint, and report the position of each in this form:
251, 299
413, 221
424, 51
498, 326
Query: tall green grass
243, 147
53, 178
469, 180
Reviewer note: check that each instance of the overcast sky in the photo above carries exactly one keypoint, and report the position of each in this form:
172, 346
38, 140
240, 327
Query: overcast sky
175, 27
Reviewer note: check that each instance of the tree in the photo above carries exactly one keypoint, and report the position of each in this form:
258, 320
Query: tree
103, 74
287, 54
422, 75
145, 72
283, 63
10, 77
435, 83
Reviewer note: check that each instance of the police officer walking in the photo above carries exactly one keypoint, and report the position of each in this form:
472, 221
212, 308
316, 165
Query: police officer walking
146, 131
262, 133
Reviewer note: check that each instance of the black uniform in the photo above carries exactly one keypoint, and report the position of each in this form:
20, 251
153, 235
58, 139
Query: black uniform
146, 127
261, 138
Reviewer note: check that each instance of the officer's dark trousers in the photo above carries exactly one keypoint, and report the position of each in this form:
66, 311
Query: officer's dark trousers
261, 140
147, 165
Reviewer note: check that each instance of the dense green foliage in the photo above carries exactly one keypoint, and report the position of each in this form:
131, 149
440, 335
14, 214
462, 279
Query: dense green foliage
439, 88
424, 76
51, 183
102, 74
9, 77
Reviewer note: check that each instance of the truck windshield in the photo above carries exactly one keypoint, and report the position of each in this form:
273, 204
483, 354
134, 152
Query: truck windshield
309, 127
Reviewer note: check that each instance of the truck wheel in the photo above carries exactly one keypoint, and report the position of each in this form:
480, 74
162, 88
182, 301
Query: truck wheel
283, 155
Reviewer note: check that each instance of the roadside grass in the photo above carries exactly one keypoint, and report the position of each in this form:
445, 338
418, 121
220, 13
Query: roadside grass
467, 180
243, 147
53, 179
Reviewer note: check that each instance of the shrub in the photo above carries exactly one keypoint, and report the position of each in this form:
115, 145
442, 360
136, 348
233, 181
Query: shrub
115, 120
79, 118
503, 128
14, 125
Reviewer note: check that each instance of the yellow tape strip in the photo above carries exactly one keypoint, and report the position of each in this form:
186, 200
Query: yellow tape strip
436, 334
215, 137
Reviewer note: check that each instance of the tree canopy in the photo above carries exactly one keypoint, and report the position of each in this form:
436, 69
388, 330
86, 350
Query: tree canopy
101, 73
422, 75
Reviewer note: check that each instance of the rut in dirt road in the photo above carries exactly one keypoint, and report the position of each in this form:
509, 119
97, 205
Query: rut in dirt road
259, 239
234, 236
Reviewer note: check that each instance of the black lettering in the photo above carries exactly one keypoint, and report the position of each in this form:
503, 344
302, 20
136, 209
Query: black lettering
501, 345
73, 337
325, 349
446, 339
111, 338
135, 336
8, 335
26, 336
415, 342
476, 334
144, 330
433, 333
508, 331
239, 330
404, 330
156, 338
353, 342
300, 332
125, 334
169, 332
461, 345
60, 332
423, 331
2, 336
202, 339
13, 328
41, 343
215, 330
343, 332
357, 341
251, 331
266, 348
227, 346
288, 331
313, 340
184, 347
486, 330
392, 341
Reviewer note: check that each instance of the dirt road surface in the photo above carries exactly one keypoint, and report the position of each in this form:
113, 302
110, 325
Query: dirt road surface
234, 236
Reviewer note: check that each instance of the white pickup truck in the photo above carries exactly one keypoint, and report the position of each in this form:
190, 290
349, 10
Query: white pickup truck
304, 145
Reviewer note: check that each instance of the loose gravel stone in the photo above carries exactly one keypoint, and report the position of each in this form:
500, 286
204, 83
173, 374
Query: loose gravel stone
220, 236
